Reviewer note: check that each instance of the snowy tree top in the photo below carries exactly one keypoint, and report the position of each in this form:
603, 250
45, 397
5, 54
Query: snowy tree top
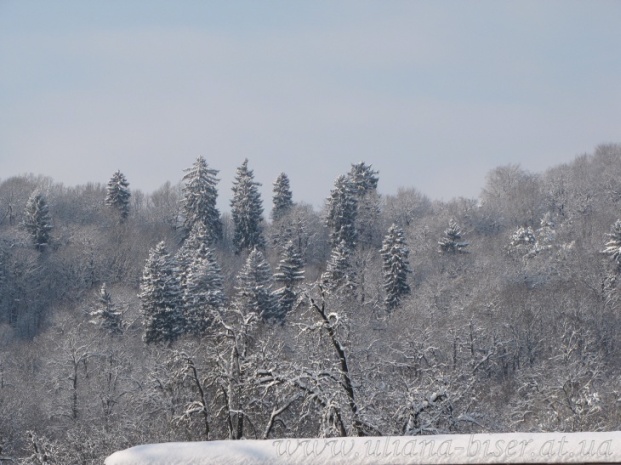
363, 178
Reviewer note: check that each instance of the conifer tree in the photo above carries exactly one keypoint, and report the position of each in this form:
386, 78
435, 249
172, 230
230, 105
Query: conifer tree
200, 280
195, 254
37, 221
199, 199
105, 314
341, 218
203, 291
339, 274
363, 178
254, 288
282, 200
289, 272
118, 194
395, 266
160, 294
364, 186
450, 243
186, 254
246, 209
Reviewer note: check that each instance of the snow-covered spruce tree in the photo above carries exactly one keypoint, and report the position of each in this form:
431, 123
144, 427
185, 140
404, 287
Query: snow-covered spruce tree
160, 294
247, 210
105, 314
200, 280
199, 199
306, 228
450, 243
289, 272
339, 274
203, 291
364, 183
282, 199
118, 194
254, 287
363, 178
37, 221
613, 246
197, 237
341, 213
395, 266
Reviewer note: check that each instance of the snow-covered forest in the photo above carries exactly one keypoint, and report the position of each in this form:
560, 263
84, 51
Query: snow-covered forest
129, 318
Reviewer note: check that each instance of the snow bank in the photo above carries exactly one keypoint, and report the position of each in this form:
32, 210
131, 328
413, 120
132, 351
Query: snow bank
511, 448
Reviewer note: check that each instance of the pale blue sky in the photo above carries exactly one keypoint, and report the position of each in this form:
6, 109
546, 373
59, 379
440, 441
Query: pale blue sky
434, 94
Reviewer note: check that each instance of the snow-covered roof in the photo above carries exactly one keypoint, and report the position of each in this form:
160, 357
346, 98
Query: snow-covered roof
511, 448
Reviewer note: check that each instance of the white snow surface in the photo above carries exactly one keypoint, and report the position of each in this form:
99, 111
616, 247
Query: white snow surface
511, 448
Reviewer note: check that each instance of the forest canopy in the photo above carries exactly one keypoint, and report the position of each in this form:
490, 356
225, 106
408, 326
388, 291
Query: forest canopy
129, 318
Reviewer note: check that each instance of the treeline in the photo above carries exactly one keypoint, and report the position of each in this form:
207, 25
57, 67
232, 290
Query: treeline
130, 318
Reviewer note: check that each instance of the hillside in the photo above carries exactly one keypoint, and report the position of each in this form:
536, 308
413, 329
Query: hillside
130, 318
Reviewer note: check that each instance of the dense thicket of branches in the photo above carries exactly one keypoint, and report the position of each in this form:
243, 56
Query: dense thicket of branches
521, 333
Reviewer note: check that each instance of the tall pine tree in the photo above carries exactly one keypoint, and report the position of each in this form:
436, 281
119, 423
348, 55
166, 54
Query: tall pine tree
160, 294
186, 254
289, 272
203, 291
341, 215
282, 200
37, 221
118, 194
200, 279
339, 274
254, 288
199, 199
395, 266
247, 211
364, 181
363, 178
